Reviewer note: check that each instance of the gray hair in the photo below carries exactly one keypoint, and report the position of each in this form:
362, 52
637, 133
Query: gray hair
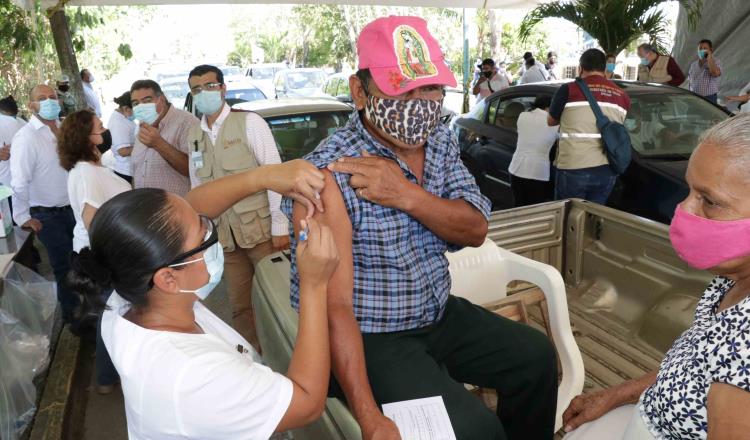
732, 136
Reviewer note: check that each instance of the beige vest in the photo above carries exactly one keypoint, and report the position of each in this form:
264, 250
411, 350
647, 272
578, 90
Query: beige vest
248, 222
657, 73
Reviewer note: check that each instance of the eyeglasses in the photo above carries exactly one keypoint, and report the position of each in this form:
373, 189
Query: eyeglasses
208, 86
212, 237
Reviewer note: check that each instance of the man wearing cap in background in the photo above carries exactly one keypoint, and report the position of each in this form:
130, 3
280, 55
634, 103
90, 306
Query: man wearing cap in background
67, 99
398, 197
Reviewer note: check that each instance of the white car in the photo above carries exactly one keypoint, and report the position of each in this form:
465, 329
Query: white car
299, 83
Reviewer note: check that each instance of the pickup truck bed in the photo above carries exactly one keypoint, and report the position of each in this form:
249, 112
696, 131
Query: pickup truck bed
629, 294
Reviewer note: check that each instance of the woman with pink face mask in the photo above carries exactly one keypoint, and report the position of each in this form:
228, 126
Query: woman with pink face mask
702, 388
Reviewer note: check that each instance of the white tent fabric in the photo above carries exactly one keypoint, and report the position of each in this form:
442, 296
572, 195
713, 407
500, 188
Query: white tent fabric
727, 24
487, 4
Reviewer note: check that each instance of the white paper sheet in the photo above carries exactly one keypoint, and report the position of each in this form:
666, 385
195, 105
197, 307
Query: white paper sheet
421, 419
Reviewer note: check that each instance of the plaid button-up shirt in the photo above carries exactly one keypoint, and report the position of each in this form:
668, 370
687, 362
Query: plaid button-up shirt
701, 80
401, 278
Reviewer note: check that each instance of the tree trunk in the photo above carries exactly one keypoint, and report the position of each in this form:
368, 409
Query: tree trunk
66, 55
494, 34
351, 28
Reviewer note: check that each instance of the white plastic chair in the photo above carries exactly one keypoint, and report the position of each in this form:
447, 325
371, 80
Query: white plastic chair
482, 274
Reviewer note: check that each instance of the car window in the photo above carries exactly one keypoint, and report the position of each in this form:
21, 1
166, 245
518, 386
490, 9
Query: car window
343, 88
331, 86
506, 115
231, 71
669, 124
243, 95
262, 73
299, 134
305, 80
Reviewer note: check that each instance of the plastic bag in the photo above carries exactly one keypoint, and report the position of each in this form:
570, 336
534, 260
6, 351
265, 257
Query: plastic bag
31, 298
17, 390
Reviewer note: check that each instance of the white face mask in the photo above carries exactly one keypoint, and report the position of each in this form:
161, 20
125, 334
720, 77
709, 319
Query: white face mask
214, 258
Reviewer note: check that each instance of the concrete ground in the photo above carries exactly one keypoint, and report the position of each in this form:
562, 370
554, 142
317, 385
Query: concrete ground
105, 415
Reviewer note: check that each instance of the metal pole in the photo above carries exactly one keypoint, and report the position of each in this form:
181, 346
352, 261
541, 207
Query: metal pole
467, 63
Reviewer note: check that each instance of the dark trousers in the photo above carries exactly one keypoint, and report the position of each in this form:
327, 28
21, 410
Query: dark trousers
529, 191
594, 184
713, 98
470, 345
128, 179
57, 237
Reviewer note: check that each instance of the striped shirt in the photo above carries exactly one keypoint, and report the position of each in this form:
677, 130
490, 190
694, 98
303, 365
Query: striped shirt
580, 140
401, 279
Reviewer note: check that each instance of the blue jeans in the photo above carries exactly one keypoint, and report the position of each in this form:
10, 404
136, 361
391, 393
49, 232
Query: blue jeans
57, 237
713, 98
594, 184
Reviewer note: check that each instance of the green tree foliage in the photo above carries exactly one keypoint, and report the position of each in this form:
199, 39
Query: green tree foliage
615, 24
537, 43
27, 53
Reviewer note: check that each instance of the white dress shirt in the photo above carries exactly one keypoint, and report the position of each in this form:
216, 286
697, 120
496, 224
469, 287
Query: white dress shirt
92, 99
9, 126
535, 139
37, 178
122, 130
261, 140
181, 386
535, 73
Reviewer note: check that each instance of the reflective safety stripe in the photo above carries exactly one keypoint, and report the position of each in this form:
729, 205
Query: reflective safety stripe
582, 135
601, 105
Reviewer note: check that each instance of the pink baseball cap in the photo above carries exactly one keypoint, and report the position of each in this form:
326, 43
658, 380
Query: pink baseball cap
402, 55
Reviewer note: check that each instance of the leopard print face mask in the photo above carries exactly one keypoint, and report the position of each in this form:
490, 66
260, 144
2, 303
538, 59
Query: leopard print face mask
409, 121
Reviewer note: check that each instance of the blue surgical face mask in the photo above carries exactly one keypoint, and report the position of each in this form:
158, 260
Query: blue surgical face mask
49, 109
645, 62
701, 53
146, 112
331, 131
131, 118
214, 259
610, 67
208, 102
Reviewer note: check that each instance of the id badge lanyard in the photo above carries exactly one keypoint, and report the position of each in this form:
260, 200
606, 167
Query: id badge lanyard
197, 156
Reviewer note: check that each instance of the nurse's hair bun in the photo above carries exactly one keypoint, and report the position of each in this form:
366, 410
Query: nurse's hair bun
89, 278
85, 262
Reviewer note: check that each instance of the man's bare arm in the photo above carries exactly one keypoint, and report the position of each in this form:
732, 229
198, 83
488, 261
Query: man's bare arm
174, 157
347, 350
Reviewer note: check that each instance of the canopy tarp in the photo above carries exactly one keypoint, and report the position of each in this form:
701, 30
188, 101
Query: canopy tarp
727, 24
487, 4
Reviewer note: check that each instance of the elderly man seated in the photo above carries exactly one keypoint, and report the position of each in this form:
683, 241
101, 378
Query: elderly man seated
397, 197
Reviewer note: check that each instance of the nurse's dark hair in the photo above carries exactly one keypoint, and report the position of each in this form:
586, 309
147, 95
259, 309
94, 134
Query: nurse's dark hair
132, 235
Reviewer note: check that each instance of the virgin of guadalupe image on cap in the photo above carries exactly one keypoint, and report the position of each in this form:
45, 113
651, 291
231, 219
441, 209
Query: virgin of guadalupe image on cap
412, 53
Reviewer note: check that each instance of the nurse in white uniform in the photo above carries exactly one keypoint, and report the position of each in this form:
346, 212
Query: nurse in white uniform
185, 373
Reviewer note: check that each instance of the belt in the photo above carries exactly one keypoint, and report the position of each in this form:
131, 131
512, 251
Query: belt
39, 209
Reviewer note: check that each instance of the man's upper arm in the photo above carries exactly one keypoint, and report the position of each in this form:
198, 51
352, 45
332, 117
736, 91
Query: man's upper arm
336, 217
559, 100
